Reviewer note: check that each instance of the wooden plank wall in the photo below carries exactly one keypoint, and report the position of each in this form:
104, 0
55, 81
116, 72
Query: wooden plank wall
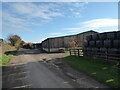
63, 42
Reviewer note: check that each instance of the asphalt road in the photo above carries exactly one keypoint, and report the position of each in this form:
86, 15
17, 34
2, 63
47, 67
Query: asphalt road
41, 77
32, 69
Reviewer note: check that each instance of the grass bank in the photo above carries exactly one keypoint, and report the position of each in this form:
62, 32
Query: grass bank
7, 51
101, 71
4, 59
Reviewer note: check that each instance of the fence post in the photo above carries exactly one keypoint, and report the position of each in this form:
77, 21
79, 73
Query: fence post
106, 56
70, 52
74, 52
78, 53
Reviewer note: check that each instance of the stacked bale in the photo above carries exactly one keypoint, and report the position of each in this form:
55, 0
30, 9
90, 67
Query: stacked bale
107, 42
87, 44
113, 41
91, 40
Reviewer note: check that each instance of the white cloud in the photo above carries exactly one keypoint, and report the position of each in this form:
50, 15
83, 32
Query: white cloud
13, 24
54, 33
72, 28
11, 19
49, 10
31, 10
18, 17
23, 8
75, 8
99, 23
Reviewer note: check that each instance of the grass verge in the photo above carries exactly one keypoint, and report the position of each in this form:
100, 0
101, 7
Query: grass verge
67, 51
102, 72
4, 59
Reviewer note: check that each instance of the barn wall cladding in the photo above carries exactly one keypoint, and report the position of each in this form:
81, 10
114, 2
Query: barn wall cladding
105, 45
57, 43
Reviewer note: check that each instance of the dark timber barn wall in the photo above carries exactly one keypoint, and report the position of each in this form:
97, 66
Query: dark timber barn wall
57, 43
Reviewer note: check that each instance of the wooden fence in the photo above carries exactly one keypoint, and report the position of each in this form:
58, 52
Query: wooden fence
76, 52
104, 56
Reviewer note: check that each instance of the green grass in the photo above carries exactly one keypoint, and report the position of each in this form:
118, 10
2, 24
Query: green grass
53, 52
67, 51
4, 59
64, 51
102, 72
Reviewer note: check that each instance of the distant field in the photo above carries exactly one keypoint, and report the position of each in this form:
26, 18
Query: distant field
7, 47
101, 71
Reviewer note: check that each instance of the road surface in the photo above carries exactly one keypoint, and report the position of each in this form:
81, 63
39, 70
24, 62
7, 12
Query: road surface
32, 69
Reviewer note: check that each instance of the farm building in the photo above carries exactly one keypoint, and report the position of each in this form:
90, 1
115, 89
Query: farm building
36, 45
57, 43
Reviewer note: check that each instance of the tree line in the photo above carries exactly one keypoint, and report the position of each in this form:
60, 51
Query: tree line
17, 42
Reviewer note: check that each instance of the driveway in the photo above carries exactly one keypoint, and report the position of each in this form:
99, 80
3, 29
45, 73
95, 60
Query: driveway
32, 69
30, 55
